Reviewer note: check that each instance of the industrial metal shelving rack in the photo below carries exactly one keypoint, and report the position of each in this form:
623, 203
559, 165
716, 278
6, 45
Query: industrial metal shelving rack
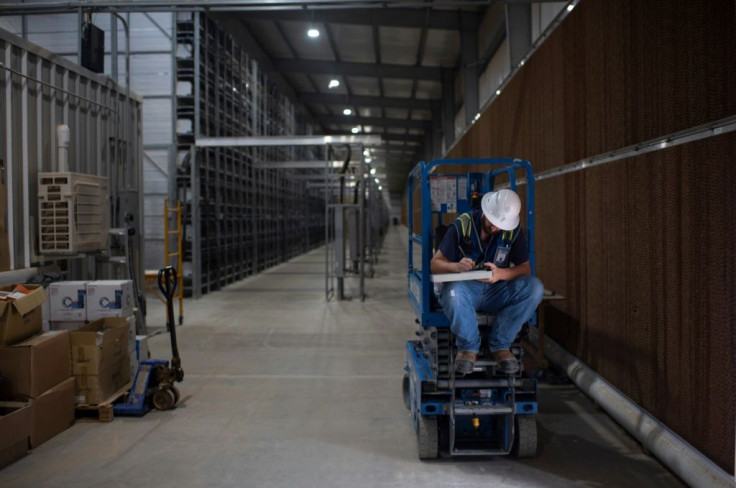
239, 217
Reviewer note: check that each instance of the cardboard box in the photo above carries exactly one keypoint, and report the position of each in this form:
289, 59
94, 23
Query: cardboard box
111, 298
52, 413
100, 359
94, 389
21, 318
99, 345
35, 365
67, 301
15, 429
70, 326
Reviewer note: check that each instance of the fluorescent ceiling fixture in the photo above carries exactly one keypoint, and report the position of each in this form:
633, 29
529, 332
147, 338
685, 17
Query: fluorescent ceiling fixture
570, 7
313, 33
333, 84
347, 111
355, 130
373, 171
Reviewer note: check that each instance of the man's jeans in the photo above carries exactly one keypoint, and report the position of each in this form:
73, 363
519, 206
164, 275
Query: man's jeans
513, 303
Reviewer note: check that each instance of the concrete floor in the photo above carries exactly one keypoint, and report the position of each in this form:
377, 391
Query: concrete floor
283, 389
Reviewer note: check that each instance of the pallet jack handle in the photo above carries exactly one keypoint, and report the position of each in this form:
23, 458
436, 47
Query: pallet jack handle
167, 281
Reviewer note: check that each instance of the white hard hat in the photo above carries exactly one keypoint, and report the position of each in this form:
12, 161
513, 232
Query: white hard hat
502, 208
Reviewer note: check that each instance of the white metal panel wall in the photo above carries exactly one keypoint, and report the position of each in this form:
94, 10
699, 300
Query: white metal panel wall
499, 68
496, 71
44, 90
150, 76
155, 175
542, 16
12, 24
460, 122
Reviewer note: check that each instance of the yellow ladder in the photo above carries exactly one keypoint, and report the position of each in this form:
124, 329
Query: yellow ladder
178, 254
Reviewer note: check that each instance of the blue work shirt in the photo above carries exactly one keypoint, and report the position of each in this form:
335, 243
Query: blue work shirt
450, 245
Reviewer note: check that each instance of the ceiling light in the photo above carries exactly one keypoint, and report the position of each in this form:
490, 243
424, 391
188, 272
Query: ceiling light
333, 84
570, 7
313, 33
373, 171
522, 63
347, 111
477, 116
380, 188
377, 181
498, 92
355, 130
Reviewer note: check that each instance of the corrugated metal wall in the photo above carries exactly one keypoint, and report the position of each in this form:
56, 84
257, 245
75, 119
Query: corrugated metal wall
643, 248
39, 91
150, 74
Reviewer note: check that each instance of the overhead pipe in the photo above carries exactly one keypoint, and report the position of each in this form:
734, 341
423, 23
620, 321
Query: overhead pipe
677, 454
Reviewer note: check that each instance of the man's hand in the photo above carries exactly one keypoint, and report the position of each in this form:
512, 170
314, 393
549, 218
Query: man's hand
507, 274
499, 274
465, 264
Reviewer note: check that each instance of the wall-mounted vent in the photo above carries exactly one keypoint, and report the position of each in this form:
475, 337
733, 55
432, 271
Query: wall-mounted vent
74, 214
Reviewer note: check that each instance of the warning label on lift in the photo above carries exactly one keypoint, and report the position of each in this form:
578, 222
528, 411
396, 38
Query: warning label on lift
444, 192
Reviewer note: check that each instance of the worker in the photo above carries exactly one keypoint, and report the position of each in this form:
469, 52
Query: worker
492, 238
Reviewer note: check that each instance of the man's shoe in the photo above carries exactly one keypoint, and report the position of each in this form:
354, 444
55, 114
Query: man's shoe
464, 362
506, 361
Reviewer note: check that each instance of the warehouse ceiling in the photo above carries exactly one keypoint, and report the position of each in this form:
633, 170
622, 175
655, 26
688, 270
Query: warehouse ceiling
368, 71
384, 67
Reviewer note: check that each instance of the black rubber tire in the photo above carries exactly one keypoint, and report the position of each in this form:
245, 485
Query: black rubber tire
525, 436
405, 384
177, 394
163, 399
427, 438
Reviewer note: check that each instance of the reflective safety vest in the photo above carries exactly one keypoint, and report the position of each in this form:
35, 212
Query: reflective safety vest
471, 246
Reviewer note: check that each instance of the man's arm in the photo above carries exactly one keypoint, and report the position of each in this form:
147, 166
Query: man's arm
440, 264
508, 274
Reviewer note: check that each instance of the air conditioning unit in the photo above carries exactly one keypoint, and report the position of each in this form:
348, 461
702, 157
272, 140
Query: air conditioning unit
74, 213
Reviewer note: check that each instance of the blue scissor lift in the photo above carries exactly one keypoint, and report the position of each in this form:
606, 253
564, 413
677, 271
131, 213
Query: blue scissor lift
486, 412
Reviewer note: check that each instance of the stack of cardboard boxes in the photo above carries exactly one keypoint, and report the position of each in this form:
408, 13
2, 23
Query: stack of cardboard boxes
87, 357
100, 355
36, 388
82, 307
